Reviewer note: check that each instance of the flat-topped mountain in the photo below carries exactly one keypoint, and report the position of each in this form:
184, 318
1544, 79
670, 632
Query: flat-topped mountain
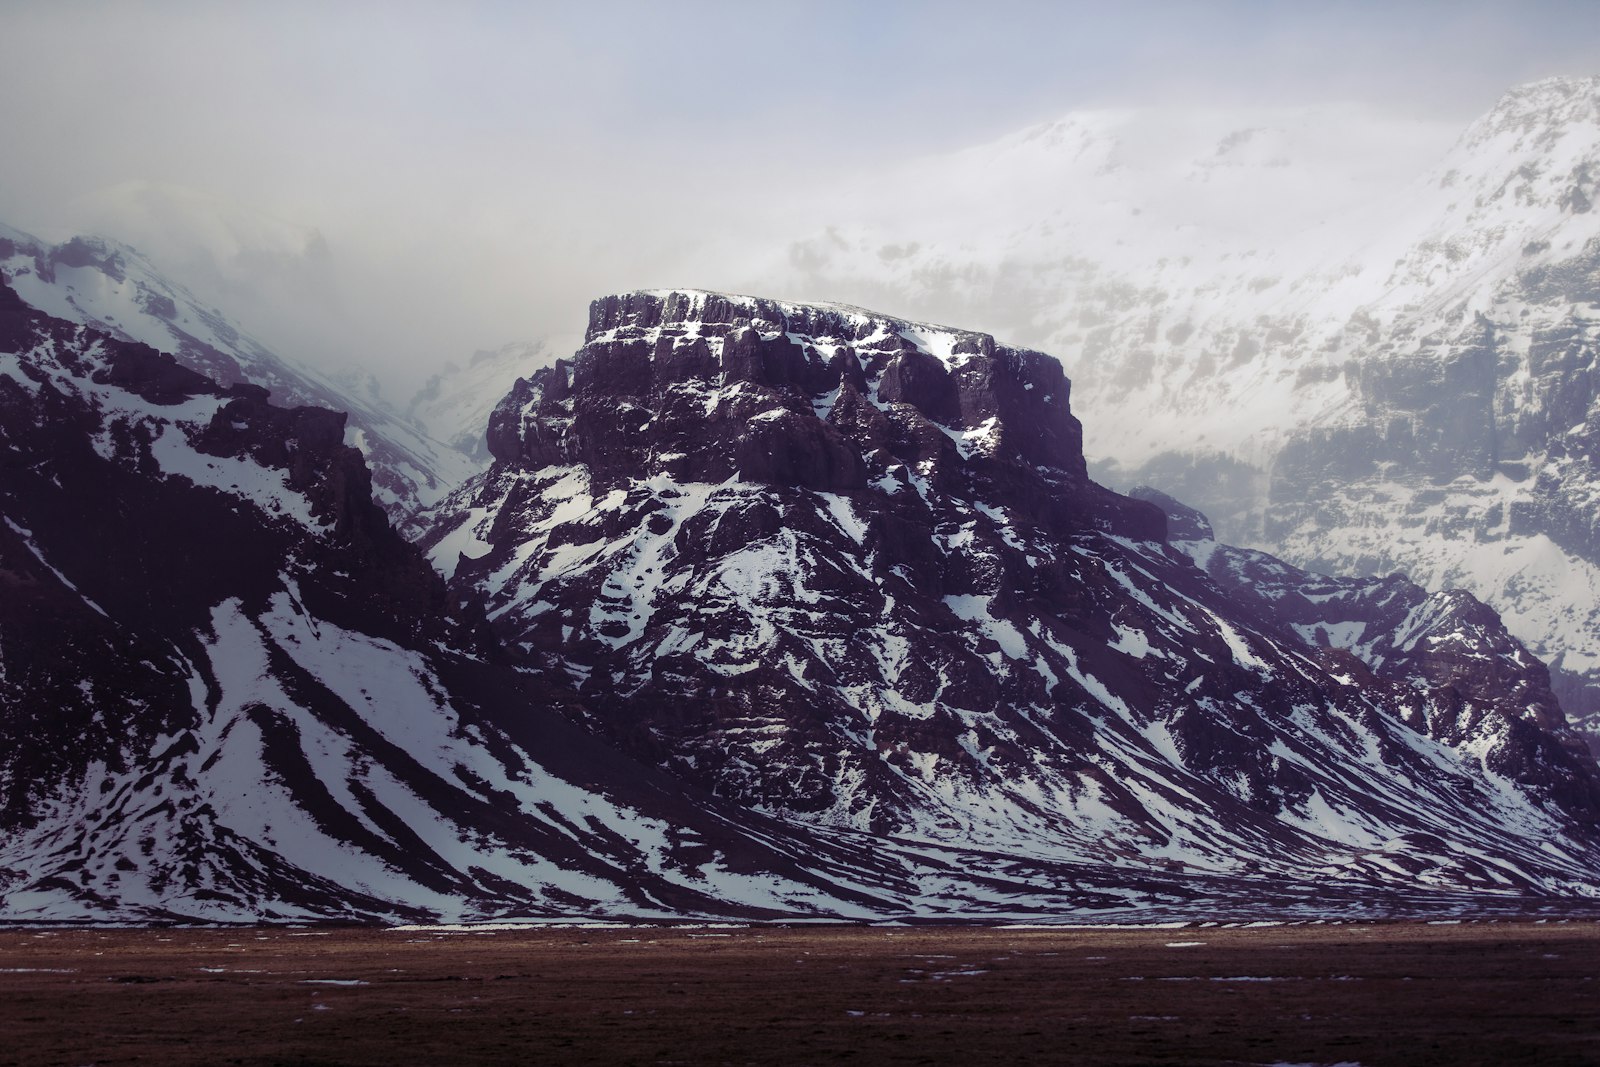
850, 570
231, 691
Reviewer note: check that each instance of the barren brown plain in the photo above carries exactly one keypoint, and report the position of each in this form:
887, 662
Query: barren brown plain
1372, 994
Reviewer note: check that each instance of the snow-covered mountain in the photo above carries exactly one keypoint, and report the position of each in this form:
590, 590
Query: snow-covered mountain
850, 570
763, 610
114, 288
1349, 341
229, 691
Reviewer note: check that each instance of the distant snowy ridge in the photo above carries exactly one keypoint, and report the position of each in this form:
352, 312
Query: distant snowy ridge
454, 405
114, 288
1362, 356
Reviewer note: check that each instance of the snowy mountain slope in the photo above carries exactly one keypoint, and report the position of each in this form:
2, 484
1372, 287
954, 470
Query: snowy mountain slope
229, 691
1465, 457
246, 698
113, 288
850, 570
1394, 627
1361, 356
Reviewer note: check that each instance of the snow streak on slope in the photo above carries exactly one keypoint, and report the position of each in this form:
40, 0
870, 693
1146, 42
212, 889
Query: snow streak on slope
274, 808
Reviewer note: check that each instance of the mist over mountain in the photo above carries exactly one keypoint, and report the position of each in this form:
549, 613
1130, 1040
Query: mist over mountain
117, 289
1354, 340
1359, 373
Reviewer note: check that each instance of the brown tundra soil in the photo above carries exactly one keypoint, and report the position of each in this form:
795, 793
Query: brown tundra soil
1371, 994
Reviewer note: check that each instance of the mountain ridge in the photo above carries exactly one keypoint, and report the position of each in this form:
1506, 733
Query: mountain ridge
297, 725
944, 630
113, 287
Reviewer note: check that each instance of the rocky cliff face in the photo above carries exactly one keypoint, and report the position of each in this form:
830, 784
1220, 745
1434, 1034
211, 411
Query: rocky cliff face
850, 570
1454, 444
1465, 456
454, 405
114, 289
230, 691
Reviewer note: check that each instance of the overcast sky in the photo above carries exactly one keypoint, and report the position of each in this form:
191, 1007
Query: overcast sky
472, 172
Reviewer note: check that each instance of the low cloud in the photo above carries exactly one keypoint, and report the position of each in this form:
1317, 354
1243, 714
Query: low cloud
401, 185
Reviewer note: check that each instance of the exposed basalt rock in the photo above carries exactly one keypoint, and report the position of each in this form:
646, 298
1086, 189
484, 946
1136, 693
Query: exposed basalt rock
704, 387
851, 569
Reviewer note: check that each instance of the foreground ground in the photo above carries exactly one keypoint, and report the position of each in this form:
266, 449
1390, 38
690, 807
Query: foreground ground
1491, 993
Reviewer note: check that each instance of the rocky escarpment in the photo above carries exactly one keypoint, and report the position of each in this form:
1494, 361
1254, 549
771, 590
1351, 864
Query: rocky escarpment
1447, 402
1474, 462
835, 400
230, 691
849, 569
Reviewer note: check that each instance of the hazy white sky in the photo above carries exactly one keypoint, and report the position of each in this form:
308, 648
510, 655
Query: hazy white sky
472, 173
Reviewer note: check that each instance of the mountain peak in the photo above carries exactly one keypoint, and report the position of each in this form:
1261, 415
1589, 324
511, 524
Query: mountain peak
1544, 105
706, 387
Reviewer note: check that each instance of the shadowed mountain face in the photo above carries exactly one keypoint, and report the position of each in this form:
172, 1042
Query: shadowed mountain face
769, 610
849, 570
229, 690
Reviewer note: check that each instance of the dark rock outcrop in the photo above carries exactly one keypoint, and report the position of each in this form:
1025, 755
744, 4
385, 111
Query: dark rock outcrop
229, 690
851, 570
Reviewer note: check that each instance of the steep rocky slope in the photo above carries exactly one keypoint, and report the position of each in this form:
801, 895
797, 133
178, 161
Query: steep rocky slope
851, 570
230, 691
113, 288
454, 405
1351, 348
